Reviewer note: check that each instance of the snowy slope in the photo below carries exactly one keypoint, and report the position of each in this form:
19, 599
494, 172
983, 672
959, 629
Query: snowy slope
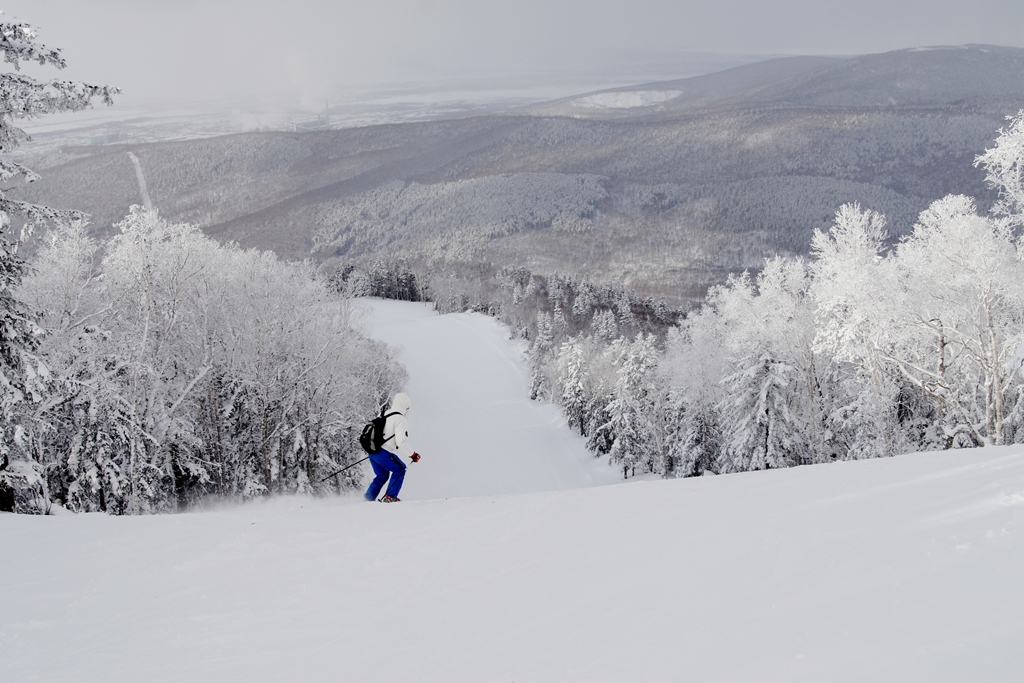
906, 569
472, 418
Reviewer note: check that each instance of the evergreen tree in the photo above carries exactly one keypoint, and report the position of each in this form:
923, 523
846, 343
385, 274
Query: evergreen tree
540, 349
703, 444
634, 423
22, 374
585, 301
572, 380
760, 418
697, 444
24, 97
600, 436
604, 326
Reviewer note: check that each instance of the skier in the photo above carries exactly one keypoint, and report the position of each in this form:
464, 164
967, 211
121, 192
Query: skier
386, 462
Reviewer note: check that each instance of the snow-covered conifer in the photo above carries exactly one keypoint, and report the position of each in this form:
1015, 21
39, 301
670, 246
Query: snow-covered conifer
22, 373
24, 97
698, 445
635, 422
760, 417
604, 326
585, 300
540, 351
572, 380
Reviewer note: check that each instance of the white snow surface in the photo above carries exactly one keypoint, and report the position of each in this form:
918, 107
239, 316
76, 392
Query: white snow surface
904, 569
472, 418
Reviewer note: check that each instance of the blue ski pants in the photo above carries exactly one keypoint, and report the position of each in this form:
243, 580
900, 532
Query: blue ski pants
386, 463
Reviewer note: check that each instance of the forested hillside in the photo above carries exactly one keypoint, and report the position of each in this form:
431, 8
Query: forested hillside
860, 350
157, 368
664, 193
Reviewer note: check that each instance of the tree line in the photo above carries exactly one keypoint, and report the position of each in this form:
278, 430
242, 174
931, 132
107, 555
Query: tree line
866, 348
174, 368
161, 367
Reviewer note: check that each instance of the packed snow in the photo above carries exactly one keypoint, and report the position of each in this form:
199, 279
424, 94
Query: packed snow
472, 419
898, 569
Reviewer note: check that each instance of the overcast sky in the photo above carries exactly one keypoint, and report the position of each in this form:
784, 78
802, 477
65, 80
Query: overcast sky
198, 49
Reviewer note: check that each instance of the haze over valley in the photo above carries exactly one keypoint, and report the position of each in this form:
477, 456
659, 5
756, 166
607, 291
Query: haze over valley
663, 187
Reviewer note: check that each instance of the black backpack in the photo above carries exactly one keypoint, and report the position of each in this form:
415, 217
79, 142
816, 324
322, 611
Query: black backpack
372, 439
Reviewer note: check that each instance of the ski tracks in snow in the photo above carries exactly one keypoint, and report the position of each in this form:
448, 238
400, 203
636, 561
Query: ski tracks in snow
472, 419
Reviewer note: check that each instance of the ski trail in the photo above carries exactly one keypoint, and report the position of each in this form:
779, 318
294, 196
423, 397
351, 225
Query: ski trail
143, 192
472, 418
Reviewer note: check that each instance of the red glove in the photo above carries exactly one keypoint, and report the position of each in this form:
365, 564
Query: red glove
415, 457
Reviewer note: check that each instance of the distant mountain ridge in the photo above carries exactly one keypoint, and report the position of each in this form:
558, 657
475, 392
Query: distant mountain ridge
665, 187
695, 92
933, 76
966, 76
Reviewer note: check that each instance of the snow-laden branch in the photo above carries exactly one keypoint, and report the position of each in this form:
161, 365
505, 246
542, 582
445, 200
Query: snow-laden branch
190, 361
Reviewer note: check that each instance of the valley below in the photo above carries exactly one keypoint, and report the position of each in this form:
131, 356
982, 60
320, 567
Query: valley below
664, 188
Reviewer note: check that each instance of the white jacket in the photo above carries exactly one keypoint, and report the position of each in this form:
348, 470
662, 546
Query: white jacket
398, 426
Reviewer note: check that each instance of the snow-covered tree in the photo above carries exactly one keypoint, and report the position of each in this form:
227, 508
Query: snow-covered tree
692, 369
604, 326
761, 416
1004, 166
540, 352
572, 380
181, 368
24, 97
855, 312
940, 317
696, 440
963, 306
636, 411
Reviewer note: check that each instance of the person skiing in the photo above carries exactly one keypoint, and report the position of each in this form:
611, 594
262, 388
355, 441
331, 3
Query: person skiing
386, 461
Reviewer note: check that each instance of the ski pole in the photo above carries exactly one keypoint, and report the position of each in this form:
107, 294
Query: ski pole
344, 468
